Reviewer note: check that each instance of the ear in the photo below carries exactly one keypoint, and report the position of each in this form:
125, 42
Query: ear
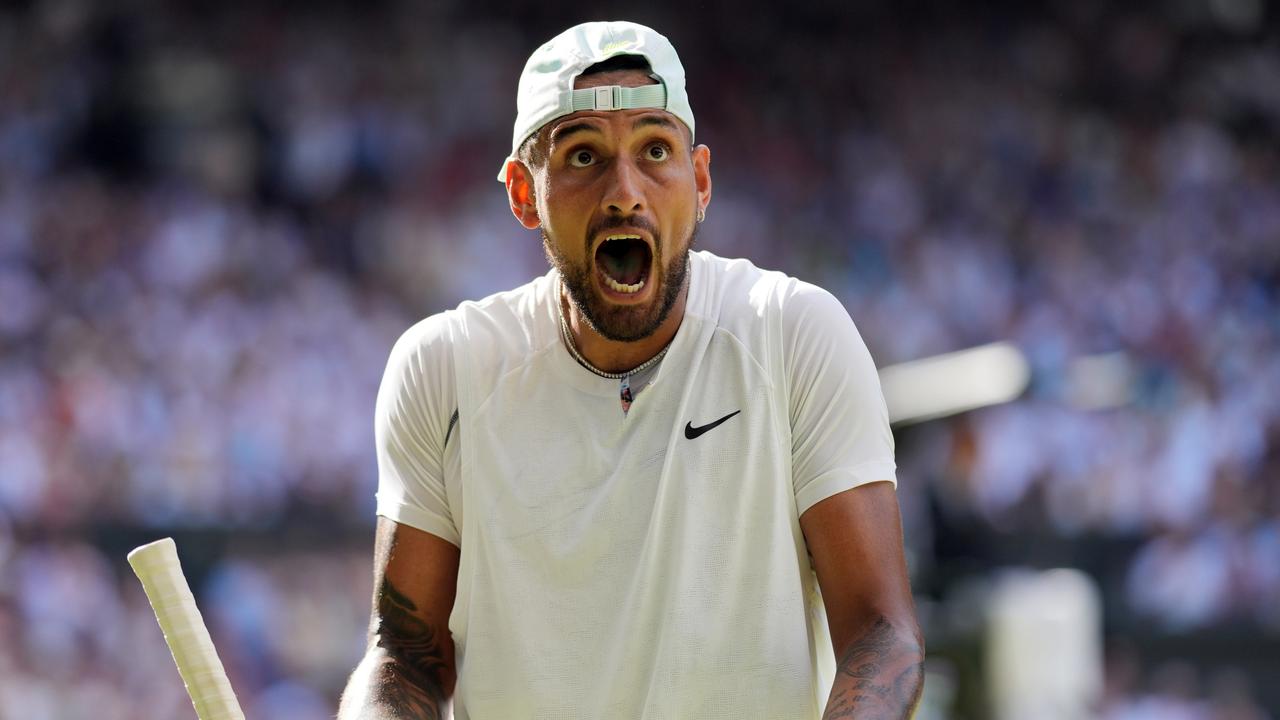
520, 194
702, 175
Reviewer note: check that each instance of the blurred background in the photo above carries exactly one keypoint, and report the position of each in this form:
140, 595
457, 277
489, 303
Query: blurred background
217, 217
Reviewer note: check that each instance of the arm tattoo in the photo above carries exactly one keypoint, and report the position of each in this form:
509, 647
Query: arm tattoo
879, 677
412, 678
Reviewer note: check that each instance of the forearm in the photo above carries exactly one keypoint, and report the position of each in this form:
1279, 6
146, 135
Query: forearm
408, 672
384, 687
879, 674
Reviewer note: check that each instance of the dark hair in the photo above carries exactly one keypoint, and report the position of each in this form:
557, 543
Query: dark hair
618, 62
533, 151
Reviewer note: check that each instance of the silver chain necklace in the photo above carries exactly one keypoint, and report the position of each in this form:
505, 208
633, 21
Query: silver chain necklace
568, 340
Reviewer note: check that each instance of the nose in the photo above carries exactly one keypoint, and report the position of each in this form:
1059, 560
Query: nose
623, 195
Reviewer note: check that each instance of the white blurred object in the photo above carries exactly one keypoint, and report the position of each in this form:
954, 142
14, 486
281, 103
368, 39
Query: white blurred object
954, 382
1098, 382
1044, 646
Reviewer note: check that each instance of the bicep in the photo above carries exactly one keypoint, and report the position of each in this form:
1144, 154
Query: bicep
415, 580
855, 540
414, 572
408, 670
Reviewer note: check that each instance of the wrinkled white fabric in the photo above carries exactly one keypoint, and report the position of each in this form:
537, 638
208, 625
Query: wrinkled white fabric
611, 567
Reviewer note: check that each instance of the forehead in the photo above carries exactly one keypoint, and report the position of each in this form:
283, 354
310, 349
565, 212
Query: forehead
624, 121
633, 118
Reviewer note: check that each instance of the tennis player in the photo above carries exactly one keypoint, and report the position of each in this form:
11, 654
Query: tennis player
607, 493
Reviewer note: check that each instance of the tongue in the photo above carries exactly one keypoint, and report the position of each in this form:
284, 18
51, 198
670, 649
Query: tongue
623, 260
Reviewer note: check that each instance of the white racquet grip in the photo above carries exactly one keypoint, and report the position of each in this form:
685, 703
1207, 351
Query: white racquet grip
156, 565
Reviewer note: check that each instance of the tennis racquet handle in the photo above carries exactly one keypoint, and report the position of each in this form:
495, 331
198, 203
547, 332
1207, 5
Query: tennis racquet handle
156, 565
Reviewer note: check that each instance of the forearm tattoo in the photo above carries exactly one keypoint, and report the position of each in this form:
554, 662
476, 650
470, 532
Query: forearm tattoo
412, 680
879, 677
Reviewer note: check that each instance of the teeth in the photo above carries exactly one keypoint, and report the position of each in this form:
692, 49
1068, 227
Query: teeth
619, 287
614, 284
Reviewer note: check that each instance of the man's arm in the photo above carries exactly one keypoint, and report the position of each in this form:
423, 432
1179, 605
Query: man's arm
855, 539
408, 670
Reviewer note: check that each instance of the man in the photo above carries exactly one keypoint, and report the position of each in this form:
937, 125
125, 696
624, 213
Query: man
605, 494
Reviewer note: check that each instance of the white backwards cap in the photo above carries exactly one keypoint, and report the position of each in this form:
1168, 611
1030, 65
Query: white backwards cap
546, 85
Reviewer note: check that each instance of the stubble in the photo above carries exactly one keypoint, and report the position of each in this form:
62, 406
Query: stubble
622, 323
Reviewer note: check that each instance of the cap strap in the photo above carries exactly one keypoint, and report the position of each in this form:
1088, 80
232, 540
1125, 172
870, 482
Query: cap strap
616, 97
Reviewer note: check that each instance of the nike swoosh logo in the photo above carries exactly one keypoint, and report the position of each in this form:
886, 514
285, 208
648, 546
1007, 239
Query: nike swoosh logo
691, 432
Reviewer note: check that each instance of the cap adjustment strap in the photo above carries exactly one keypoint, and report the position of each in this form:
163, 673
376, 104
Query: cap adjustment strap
616, 97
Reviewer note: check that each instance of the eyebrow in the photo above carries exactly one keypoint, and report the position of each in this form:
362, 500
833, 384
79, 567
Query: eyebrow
657, 120
564, 131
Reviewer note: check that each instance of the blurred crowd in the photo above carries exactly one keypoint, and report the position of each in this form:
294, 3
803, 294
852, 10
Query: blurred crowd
215, 221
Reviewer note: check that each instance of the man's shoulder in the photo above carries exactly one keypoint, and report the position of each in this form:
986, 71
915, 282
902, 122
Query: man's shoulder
508, 311
739, 290
522, 299
493, 331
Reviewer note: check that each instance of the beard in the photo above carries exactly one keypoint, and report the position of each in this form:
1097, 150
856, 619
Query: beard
622, 323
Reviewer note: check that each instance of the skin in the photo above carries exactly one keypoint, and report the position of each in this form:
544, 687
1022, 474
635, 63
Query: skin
408, 669
620, 184
855, 540
624, 186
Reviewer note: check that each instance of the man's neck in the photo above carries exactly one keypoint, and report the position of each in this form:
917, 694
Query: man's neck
620, 356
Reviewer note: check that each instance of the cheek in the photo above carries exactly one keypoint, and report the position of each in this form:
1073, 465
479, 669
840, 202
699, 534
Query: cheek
681, 198
678, 185
565, 223
570, 208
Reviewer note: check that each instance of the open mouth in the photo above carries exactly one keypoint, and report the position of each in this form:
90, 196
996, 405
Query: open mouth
624, 262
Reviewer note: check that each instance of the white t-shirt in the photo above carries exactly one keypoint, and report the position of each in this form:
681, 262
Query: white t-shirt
630, 566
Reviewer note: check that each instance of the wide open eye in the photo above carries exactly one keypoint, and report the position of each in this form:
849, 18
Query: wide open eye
581, 158
658, 152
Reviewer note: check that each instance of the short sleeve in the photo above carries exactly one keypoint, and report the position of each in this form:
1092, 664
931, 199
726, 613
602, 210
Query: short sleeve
412, 419
840, 435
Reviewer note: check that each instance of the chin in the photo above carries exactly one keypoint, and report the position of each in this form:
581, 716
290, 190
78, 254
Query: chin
622, 321
627, 322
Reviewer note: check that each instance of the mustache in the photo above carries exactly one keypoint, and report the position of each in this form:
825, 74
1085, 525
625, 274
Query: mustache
618, 221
